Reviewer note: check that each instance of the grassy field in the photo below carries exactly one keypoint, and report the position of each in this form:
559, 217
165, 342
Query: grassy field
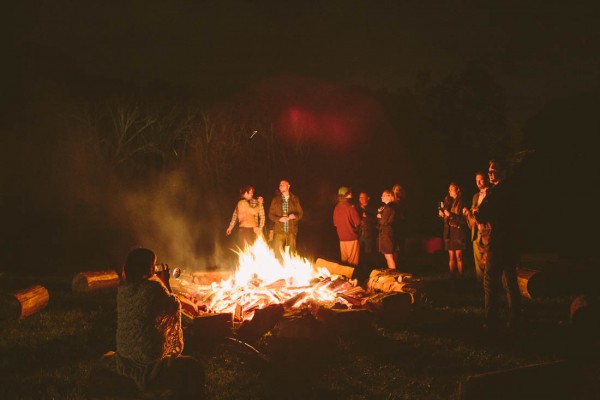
49, 354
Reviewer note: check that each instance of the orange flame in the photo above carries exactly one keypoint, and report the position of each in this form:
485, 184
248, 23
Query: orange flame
261, 279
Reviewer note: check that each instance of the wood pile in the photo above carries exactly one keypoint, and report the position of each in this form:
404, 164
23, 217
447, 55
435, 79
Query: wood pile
388, 298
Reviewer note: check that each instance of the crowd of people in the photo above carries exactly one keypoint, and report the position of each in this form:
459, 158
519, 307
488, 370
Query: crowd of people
490, 223
363, 228
149, 335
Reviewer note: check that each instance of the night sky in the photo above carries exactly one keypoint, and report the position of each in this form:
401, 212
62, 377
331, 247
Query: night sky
543, 55
539, 50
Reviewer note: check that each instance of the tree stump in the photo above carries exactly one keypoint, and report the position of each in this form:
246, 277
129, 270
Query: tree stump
24, 303
94, 280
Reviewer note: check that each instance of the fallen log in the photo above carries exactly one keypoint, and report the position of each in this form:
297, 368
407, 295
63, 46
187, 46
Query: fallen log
345, 322
207, 325
298, 324
391, 308
263, 321
335, 268
535, 284
94, 280
23, 303
388, 280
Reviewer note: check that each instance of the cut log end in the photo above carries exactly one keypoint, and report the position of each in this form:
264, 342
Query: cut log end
26, 302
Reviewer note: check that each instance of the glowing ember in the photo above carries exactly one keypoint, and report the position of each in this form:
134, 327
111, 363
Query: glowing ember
261, 279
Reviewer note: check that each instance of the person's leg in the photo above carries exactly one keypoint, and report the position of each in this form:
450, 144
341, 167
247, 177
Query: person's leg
491, 284
478, 259
246, 237
291, 242
452, 261
343, 252
459, 262
389, 258
353, 252
513, 295
278, 243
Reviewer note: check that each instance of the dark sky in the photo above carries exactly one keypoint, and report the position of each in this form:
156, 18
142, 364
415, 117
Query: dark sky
537, 50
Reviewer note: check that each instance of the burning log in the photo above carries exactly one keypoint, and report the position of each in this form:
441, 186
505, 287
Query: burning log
294, 300
24, 303
353, 301
94, 280
263, 321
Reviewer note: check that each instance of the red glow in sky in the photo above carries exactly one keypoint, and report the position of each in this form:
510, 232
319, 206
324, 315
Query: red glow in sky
324, 114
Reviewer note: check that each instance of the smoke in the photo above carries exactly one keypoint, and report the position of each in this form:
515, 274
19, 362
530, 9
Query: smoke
108, 211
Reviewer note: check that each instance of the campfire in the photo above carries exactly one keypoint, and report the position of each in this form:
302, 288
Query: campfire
261, 280
264, 292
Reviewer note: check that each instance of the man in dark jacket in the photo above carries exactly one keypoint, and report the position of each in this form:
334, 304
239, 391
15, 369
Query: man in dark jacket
285, 212
497, 210
347, 223
479, 232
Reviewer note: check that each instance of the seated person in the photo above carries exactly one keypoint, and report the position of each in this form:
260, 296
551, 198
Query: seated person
149, 334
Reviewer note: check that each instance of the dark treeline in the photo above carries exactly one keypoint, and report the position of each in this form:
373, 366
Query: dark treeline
94, 168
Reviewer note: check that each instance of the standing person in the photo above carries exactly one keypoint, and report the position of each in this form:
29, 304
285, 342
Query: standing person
285, 211
149, 334
497, 210
367, 236
250, 213
454, 228
368, 224
347, 223
479, 232
385, 217
399, 225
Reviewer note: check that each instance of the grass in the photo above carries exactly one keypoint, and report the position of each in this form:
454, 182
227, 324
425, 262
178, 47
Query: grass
49, 354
